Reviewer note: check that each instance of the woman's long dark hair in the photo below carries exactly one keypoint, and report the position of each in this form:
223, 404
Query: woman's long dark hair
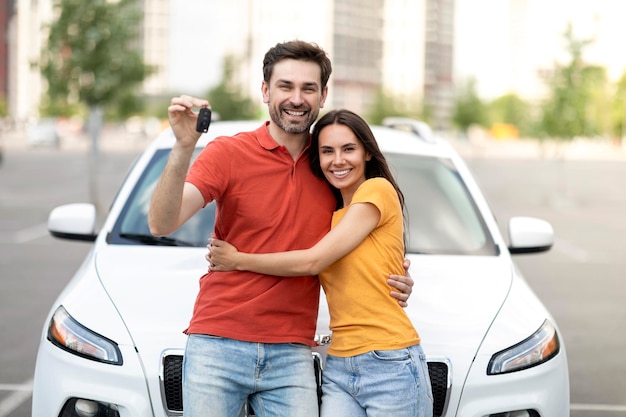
375, 167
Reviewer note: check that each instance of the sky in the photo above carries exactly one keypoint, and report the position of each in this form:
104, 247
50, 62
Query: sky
501, 46
488, 46
195, 49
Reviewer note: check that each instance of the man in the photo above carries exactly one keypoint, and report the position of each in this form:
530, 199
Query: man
250, 334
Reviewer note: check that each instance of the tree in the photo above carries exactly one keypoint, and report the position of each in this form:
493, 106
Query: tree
618, 110
387, 105
226, 97
92, 57
511, 109
576, 89
469, 109
4, 111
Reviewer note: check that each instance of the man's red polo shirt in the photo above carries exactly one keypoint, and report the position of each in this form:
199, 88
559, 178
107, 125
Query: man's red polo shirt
266, 202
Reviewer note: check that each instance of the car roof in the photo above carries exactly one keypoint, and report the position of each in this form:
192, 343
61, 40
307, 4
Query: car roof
402, 136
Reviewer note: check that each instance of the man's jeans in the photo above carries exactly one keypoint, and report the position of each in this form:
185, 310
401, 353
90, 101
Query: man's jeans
220, 374
382, 383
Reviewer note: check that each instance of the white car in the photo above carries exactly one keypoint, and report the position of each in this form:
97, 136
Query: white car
113, 342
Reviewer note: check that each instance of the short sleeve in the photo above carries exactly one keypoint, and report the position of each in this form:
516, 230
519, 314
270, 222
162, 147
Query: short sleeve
379, 192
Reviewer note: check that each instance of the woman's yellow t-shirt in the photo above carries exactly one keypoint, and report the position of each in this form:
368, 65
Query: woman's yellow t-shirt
363, 316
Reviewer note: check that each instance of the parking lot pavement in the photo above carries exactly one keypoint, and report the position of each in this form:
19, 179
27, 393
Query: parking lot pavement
577, 149
116, 138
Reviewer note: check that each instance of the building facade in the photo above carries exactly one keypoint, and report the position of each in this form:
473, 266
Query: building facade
155, 45
439, 92
25, 39
374, 45
401, 47
403, 55
357, 50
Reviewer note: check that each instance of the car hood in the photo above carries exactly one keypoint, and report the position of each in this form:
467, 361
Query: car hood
153, 288
451, 323
454, 303
456, 298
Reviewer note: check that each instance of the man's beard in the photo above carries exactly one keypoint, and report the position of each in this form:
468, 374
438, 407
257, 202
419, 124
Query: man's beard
292, 128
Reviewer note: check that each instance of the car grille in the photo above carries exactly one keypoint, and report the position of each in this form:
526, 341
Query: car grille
171, 384
439, 373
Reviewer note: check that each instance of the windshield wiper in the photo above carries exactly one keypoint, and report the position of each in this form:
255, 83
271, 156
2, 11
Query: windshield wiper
155, 240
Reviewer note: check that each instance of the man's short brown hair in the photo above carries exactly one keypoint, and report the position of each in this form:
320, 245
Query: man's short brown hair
299, 50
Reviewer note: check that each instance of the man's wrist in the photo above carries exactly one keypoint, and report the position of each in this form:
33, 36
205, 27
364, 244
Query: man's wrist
184, 146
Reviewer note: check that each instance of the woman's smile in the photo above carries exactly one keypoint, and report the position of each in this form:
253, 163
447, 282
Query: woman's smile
343, 159
340, 174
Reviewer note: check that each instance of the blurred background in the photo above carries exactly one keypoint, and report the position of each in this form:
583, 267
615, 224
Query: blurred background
531, 92
477, 69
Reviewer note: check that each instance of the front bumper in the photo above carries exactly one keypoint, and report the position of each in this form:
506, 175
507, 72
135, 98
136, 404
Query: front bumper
61, 377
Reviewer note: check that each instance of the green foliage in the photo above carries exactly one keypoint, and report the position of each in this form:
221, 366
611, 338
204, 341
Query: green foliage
4, 111
388, 105
383, 106
92, 56
576, 89
157, 107
469, 109
126, 105
60, 107
227, 99
618, 109
511, 109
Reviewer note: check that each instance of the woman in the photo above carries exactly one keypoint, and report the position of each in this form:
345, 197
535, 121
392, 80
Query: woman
375, 365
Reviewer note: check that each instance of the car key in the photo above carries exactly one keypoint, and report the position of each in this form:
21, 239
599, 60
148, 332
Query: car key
204, 120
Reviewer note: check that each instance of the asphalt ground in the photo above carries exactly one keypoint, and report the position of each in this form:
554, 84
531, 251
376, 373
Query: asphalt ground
580, 189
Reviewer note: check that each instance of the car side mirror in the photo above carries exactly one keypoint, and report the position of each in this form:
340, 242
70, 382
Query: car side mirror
529, 235
73, 222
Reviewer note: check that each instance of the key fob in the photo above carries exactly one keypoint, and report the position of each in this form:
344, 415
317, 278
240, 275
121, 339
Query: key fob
204, 120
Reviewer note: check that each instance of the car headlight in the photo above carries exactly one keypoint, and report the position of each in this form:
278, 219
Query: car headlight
68, 334
540, 347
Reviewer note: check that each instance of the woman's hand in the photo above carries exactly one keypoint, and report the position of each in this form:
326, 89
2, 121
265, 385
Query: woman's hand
222, 256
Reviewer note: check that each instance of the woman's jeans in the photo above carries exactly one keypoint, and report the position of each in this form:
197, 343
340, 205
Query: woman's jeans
381, 383
219, 375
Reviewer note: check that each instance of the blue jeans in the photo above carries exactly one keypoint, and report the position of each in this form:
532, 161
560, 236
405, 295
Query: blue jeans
380, 383
220, 374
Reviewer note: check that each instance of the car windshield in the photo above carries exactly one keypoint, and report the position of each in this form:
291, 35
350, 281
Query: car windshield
441, 217
132, 225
